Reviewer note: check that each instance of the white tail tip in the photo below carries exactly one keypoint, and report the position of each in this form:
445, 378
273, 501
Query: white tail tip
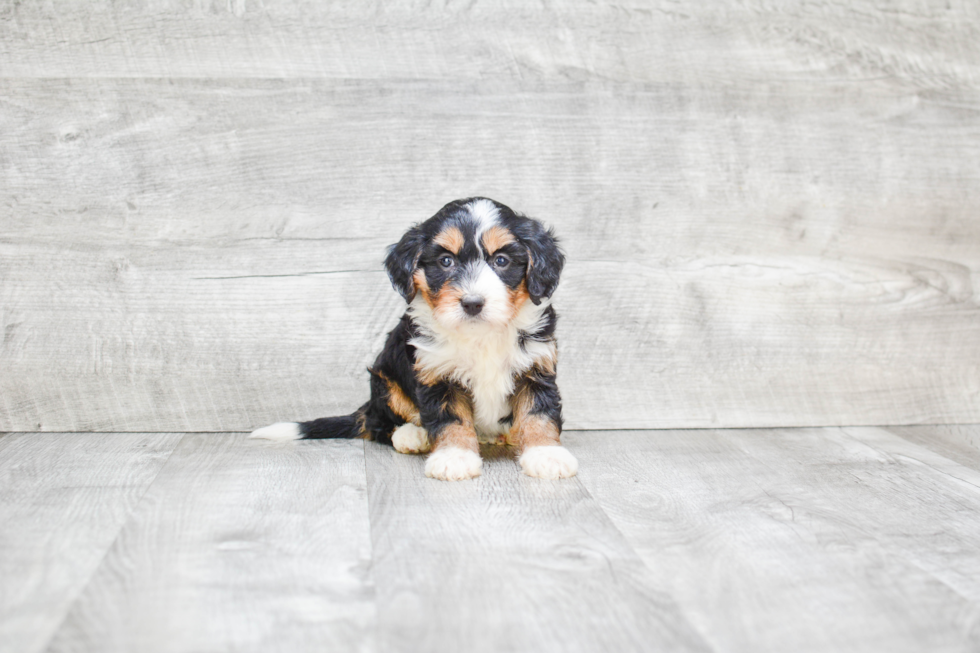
280, 432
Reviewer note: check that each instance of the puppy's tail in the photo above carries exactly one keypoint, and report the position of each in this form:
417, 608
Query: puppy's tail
344, 427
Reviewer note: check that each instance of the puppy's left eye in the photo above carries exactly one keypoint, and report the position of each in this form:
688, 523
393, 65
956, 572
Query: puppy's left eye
501, 261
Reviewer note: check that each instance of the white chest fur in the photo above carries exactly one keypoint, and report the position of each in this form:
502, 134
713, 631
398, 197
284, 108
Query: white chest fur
482, 358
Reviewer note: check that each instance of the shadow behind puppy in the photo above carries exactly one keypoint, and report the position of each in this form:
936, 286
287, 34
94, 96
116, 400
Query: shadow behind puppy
474, 356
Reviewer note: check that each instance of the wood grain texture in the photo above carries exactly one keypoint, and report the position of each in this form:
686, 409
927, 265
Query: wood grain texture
933, 43
853, 539
239, 545
805, 540
959, 442
506, 562
212, 267
63, 499
770, 211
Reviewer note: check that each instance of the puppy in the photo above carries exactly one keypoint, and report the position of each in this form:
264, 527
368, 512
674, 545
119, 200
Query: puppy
474, 356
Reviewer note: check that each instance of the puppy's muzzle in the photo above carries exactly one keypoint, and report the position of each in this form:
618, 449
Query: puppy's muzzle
472, 304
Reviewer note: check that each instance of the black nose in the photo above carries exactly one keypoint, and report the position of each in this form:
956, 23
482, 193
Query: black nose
472, 305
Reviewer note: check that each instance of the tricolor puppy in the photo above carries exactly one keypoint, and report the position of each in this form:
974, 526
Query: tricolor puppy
474, 356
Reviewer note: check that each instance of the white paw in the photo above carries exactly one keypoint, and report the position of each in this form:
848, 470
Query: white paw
549, 462
280, 432
409, 438
453, 464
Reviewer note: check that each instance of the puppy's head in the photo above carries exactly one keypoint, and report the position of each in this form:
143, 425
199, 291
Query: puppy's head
476, 262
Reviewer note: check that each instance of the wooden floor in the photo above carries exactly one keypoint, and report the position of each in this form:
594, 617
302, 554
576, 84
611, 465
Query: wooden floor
824, 539
770, 215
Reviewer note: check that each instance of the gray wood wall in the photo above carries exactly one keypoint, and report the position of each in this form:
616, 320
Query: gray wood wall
771, 210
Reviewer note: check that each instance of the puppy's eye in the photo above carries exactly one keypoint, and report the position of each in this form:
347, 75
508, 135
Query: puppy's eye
446, 261
501, 261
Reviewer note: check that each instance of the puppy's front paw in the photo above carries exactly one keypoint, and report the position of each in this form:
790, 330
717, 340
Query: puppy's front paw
549, 462
453, 464
409, 438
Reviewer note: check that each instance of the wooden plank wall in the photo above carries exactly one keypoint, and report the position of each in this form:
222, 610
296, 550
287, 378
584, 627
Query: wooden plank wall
771, 210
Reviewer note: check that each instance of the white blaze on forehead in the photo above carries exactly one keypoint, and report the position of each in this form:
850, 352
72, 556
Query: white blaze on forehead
484, 213
481, 281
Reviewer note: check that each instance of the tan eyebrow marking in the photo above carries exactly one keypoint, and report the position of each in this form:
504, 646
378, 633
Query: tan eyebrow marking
496, 237
451, 238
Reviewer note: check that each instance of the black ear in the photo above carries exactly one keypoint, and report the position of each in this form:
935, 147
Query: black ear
545, 259
403, 260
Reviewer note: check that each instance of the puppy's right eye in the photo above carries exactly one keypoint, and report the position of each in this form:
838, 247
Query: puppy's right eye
446, 261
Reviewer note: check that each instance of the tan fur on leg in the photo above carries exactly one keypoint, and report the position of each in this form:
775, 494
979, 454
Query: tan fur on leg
456, 453
538, 440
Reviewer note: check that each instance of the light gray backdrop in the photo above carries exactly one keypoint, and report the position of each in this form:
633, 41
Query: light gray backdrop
771, 209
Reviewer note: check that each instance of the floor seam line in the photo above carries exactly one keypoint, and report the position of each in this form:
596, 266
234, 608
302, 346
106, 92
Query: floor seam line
115, 538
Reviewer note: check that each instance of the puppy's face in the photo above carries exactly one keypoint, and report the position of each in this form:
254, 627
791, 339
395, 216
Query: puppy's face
476, 262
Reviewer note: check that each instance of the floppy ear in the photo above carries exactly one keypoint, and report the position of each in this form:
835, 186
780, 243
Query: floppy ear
545, 259
403, 260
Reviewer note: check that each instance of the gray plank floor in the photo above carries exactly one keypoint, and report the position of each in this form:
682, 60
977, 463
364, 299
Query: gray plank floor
823, 539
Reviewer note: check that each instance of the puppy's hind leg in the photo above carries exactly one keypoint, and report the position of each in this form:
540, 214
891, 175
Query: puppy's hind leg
409, 438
